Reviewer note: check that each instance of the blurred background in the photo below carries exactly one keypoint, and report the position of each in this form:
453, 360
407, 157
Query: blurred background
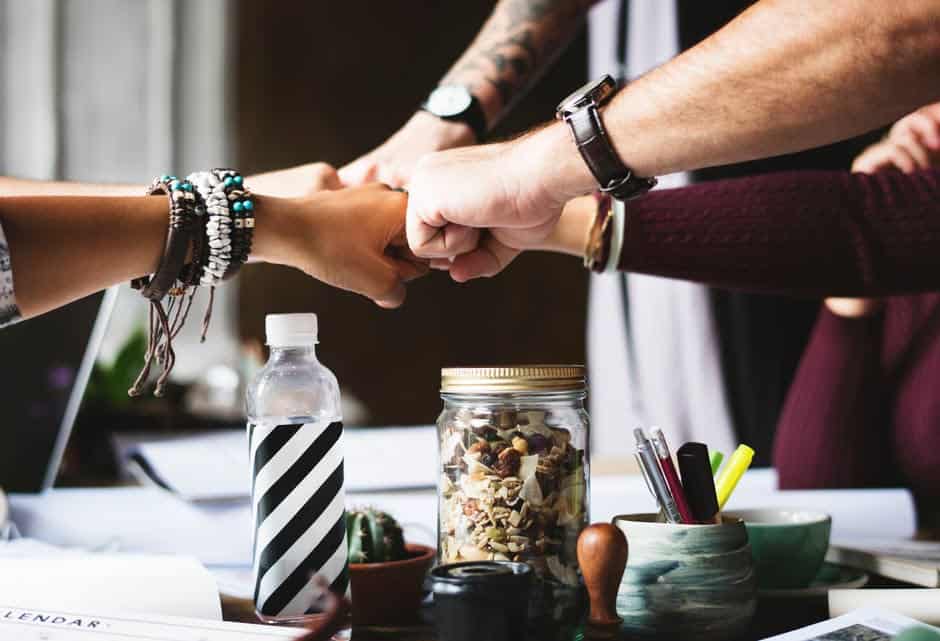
116, 91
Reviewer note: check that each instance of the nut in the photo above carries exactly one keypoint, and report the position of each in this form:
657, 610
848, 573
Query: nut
471, 507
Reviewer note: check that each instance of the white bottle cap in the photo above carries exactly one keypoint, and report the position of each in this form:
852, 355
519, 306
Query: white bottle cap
285, 330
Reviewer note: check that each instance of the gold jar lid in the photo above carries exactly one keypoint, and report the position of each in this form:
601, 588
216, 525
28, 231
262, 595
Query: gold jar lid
514, 378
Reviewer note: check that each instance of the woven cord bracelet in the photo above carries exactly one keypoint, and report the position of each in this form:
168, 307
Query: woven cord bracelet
165, 322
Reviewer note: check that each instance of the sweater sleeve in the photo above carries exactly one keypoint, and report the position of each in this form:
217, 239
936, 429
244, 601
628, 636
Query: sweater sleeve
811, 233
833, 429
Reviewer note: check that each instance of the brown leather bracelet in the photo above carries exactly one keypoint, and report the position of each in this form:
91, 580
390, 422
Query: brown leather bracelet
182, 229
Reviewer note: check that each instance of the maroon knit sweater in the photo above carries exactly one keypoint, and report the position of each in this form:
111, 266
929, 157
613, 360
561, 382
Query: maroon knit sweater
864, 407
810, 233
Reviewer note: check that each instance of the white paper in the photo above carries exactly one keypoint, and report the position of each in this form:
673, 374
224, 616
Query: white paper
916, 603
208, 466
925, 551
214, 466
118, 583
62, 624
869, 623
136, 519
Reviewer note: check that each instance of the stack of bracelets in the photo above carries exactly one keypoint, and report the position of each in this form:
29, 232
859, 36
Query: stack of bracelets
212, 224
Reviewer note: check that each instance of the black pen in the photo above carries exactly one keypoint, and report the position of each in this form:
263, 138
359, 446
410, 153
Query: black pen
698, 482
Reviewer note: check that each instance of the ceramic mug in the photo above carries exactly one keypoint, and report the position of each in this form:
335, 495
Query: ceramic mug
685, 581
789, 546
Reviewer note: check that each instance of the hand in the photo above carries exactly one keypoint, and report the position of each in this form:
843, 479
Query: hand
295, 182
512, 190
913, 143
393, 162
353, 239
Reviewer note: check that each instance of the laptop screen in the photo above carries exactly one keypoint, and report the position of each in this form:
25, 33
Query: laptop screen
41, 383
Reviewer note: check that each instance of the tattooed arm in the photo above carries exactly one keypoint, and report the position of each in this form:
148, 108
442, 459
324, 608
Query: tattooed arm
515, 46
518, 42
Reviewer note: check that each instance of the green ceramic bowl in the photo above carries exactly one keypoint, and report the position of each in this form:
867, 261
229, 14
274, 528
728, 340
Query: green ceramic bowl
788, 545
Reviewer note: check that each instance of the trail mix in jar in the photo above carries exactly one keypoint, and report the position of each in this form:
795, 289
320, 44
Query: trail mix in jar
512, 488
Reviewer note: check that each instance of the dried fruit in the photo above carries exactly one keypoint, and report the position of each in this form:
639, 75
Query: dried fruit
538, 443
480, 447
508, 462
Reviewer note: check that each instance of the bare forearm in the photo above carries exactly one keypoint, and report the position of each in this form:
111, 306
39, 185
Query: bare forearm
63, 248
516, 44
784, 76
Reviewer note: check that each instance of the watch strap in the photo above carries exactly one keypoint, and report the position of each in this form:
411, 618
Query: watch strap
598, 153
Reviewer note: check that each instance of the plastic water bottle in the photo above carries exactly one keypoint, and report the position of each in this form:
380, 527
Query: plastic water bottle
298, 503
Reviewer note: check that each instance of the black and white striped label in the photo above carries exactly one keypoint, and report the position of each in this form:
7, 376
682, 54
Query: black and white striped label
298, 512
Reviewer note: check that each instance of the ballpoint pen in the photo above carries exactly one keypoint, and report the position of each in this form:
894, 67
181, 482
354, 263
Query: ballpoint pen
698, 482
716, 459
672, 477
654, 476
732, 472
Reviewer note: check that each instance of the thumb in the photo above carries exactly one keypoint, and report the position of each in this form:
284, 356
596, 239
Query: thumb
490, 258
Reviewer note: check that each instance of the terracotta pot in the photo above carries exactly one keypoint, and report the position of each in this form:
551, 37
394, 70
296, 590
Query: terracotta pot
390, 593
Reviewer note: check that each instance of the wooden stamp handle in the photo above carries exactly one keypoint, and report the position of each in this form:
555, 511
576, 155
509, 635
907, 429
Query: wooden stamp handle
602, 555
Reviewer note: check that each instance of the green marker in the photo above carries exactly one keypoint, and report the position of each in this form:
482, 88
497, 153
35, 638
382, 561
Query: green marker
716, 459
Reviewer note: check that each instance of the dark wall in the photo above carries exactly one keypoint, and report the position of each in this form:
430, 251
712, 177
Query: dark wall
328, 81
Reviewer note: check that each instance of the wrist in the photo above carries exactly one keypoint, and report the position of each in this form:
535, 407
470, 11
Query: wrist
570, 235
559, 169
274, 222
442, 134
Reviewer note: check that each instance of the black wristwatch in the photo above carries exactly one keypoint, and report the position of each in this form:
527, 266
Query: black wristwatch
456, 103
581, 111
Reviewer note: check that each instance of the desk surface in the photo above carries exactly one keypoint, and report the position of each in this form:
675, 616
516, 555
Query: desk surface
152, 521
773, 616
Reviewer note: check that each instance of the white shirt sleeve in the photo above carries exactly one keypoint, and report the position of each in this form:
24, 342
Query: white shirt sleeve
9, 312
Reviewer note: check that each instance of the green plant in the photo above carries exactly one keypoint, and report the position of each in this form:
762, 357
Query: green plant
108, 384
374, 537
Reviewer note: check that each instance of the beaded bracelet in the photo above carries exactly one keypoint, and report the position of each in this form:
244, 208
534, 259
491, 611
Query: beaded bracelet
242, 207
218, 228
183, 235
231, 222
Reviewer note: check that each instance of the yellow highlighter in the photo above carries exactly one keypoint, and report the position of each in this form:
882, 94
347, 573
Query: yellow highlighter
732, 472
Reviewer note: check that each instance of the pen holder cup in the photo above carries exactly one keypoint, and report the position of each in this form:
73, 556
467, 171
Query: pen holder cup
686, 581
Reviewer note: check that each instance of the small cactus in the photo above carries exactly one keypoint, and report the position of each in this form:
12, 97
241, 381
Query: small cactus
374, 537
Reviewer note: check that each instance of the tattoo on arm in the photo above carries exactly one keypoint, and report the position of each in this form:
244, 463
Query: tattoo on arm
514, 46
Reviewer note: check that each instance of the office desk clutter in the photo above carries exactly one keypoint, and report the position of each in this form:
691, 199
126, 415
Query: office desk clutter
514, 480
516, 555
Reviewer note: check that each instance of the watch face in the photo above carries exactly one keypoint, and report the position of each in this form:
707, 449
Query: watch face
596, 92
448, 101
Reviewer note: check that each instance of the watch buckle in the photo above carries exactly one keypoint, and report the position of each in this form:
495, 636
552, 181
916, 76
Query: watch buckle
643, 186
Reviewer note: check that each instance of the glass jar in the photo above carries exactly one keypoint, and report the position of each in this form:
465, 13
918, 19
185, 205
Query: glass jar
514, 477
